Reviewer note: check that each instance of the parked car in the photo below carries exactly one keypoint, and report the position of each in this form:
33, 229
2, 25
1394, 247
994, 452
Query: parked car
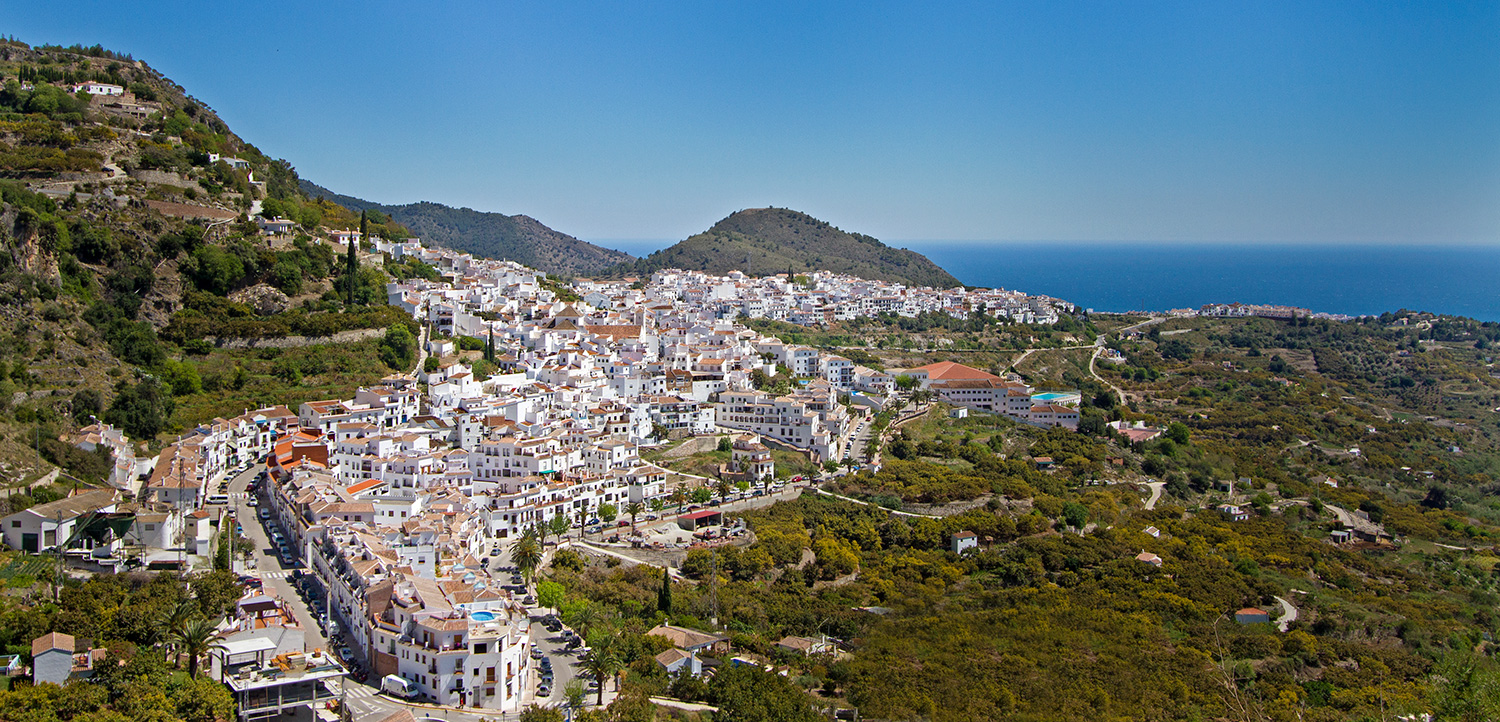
543, 691
652, 517
346, 654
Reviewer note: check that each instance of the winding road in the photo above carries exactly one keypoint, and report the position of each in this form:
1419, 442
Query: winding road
1156, 488
1288, 614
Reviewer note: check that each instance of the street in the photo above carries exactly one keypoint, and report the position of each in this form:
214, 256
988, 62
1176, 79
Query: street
264, 561
365, 699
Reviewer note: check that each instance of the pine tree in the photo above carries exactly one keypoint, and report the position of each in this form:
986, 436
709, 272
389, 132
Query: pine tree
664, 597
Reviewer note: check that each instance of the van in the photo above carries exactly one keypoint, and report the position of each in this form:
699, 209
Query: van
218, 499
399, 687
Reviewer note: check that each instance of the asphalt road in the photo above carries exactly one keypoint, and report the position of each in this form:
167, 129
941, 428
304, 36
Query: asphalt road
266, 564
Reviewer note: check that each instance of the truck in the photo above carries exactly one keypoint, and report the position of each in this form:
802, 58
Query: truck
399, 687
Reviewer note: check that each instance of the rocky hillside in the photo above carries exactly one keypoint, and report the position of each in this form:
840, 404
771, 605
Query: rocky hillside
133, 273
490, 235
764, 241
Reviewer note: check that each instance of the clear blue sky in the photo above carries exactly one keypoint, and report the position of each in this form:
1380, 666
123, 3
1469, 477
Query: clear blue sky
1213, 121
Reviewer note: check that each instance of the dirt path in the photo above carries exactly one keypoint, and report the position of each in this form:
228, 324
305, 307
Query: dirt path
877, 506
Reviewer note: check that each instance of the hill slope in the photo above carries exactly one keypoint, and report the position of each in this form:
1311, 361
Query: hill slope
763, 241
491, 235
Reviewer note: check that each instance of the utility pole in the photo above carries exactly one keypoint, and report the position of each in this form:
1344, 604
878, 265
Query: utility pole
713, 589
57, 548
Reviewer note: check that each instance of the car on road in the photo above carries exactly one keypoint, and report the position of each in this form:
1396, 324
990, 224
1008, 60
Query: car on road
218, 499
346, 654
252, 501
652, 517
593, 529
529, 600
265, 514
543, 691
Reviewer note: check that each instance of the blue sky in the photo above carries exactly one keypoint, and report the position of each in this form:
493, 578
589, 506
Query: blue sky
1226, 122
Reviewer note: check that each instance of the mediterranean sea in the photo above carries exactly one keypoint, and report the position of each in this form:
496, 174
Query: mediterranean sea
1347, 279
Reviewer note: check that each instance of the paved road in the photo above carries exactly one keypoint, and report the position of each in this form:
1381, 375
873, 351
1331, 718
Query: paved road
1288, 614
1156, 487
267, 565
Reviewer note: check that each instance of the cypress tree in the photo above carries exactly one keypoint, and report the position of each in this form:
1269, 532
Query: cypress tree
353, 255
664, 597
489, 348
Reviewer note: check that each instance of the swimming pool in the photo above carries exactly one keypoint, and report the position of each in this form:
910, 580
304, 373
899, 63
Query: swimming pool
482, 616
1051, 396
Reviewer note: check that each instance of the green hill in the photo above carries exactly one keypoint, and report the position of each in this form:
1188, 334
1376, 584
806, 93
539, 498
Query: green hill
134, 287
764, 241
489, 235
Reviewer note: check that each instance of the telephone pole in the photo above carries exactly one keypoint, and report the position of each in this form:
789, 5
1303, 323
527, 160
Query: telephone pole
713, 589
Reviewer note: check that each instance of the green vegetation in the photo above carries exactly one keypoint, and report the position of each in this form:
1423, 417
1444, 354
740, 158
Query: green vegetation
136, 618
774, 240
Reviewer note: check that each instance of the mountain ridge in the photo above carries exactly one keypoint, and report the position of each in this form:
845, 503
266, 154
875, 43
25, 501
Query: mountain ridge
764, 241
519, 238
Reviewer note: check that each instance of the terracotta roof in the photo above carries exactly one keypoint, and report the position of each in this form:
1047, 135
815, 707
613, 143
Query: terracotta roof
50, 641
944, 370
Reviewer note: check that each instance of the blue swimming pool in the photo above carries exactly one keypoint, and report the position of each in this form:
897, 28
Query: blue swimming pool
1051, 396
483, 616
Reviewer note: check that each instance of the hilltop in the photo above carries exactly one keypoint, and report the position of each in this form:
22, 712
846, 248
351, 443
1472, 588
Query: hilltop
764, 241
490, 235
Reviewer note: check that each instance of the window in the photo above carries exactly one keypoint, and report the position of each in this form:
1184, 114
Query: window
15, 524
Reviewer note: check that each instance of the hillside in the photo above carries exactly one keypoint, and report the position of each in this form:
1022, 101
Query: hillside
764, 241
490, 235
134, 280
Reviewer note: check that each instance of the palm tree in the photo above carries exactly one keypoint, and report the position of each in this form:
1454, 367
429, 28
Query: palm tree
601, 663
526, 553
723, 486
679, 497
172, 620
196, 638
634, 509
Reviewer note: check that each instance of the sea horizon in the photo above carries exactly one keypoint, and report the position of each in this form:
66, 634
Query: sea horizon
1120, 276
